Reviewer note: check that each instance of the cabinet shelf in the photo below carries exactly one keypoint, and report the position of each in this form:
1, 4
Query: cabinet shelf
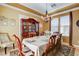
29, 26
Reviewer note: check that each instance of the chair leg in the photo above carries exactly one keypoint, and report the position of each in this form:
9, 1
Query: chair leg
5, 50
13, 46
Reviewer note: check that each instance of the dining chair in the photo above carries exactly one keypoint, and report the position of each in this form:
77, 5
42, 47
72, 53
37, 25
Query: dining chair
50, 45
54, 43
58, 43
5, 41
22, 51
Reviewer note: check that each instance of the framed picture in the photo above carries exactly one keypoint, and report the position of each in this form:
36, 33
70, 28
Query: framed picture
77, 23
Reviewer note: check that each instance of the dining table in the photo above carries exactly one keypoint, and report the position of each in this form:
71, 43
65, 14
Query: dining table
36, 44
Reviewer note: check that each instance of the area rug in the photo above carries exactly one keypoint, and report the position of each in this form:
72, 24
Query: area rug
66, 51
63, 51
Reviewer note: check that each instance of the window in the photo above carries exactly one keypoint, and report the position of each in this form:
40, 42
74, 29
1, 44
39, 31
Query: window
54, 25
64, 25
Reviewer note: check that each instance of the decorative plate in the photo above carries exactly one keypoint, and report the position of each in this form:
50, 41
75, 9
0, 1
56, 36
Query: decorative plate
77, 23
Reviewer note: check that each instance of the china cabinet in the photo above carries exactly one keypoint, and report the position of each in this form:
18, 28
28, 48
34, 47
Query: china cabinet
30, 28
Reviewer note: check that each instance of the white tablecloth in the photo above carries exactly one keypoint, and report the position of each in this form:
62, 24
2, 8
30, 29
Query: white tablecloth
37, 44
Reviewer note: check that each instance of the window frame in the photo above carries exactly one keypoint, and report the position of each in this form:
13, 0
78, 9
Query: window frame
68, 25
52, 26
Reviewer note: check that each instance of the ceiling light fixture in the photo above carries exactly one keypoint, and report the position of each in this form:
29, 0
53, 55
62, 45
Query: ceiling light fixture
53, 5
46, 17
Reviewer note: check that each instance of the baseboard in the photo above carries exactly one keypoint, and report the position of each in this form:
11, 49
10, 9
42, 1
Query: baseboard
77, 46
65, 43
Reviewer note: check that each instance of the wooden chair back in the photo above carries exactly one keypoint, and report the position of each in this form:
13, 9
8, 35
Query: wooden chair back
50, 45
54, 42
19, 44
58, 43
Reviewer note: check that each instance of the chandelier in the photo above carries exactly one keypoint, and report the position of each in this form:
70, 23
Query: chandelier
46, 17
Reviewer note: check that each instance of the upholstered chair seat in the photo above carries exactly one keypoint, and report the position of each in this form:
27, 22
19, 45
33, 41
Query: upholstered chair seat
5, 41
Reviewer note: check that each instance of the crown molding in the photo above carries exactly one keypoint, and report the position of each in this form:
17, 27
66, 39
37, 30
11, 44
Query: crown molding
57, 12
17, 5
18, 9
32, 9
65, 11
77, 8
60, 7
75, 5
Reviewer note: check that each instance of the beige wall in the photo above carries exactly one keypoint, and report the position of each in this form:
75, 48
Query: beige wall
46, 25
75, 28
13, 14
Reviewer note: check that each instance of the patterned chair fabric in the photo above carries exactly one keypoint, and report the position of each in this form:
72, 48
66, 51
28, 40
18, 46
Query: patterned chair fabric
5, 41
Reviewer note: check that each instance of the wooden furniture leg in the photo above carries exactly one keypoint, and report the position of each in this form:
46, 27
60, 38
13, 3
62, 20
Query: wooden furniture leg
5, 50
13, 46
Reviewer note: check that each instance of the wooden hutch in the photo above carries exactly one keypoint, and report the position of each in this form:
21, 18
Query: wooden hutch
30, 28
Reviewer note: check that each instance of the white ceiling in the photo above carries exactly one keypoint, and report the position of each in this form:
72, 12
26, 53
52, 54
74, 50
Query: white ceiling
41, 7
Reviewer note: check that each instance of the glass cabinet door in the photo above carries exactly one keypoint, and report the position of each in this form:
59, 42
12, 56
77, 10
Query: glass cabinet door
37, 27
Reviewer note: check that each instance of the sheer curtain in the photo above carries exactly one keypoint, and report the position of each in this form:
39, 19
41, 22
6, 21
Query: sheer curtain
54, 25
64, 25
